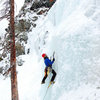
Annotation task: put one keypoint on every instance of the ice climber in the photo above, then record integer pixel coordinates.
(48, 68)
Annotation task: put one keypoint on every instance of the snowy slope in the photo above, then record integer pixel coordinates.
(72, 30)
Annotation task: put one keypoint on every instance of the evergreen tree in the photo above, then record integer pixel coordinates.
(8, 12)
(13, 54)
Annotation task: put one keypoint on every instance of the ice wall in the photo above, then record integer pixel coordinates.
(75, 38)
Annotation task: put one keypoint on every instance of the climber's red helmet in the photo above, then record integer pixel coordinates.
(44, 55)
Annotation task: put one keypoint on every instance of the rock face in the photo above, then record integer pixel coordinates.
(22, 26)
(42, 3)
(20, 49)
(1, 70)
(25, 22)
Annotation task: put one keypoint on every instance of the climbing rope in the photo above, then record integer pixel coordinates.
(47, 88)
(45, 93)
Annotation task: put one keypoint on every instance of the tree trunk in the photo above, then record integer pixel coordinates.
(14, 88)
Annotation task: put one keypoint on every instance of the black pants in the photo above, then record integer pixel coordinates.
(45, 76)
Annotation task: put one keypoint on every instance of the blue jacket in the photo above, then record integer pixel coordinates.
(48, 62)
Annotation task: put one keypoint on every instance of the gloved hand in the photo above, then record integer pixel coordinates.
(53, 59)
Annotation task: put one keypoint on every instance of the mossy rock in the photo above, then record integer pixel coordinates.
(22, 26)
(20, 49)
(1, 70)
(1, 58)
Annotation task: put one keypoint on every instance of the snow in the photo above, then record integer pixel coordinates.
(18, 6)
(72, 30)
(4, 22)
(3, 25)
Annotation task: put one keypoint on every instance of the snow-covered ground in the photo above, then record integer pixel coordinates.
(72, 30)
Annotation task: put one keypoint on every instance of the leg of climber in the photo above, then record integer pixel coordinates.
(54, 75)
(45, 76)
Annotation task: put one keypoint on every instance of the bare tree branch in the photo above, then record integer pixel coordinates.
(5, 9)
